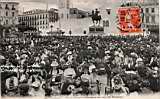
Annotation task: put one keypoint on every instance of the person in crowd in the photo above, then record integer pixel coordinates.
(12, 85)
(67, 86)
(80, 65)
(154, 80)
(54, 64)
(93, 81)
(118, 85)
(36, 89)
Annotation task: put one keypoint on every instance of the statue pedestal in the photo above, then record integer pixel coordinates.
(96, 29)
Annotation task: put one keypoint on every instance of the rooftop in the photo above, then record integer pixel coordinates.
(9, 1)
(38, 11)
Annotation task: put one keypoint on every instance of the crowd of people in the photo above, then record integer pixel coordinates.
(79, 65)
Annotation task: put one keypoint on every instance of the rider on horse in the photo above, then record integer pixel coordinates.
(96, 17)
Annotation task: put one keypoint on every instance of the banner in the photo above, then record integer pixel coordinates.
(129, 19)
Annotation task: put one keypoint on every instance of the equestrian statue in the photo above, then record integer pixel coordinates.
(96, 18)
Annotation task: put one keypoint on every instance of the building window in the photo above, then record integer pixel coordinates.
(147, 10)
(74, 11)
(40, 16)
(13, 14)
(147, 19)
(0, 6)
(43, 16)
(6, 13)
(7, 7)
(153, 10)
(13, 8)
(6, 21)
(153, 19)
(67, 16)
(62, 15)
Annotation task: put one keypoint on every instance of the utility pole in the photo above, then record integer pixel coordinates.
(47, 5)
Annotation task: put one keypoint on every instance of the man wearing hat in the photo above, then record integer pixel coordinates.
(67, 86)
(118, 85)
(69, 72)
(102, 78)
(12, 85)
(36, 89)
(139, 62)
(54, 66)
(85, 80)
(93, 81)
(154, 80)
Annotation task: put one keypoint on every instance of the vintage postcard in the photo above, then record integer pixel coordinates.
(79, 49)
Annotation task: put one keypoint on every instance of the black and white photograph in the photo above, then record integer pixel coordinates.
(76, 48)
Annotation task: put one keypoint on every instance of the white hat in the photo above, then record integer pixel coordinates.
(107, 52)
(69, 72)
(116, 53)
(119, 49)
(139, 60)
(43, 62)
(155, 68)
(89, 47)
(60, 72)
(53, 79)
(2, 57)
(134, 54)
(85, 77)
(69, 53)
(121, 55)
(36, 84)
(91, 68)
(54, 64)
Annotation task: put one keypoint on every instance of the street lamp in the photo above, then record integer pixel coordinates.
(51, 28)
(70, 32)
(84, 32)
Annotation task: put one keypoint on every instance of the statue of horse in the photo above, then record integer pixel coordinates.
(96, 18)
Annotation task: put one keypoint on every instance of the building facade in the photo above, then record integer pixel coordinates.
(76, 13)
(66, 11)
(39, 19)
(151, 14)
(8, 13)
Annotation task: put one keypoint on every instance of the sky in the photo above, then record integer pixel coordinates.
(82, 4)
